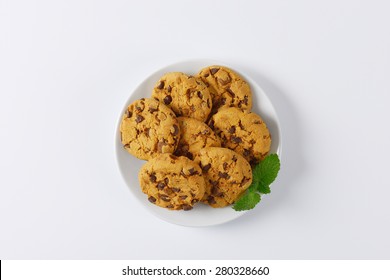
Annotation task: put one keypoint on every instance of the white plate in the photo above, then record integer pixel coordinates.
(201, 215)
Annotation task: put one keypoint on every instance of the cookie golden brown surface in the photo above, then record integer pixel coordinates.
(149, 128)
(227, 175)
(186, 95)
(195, 135)
(172, 182)
(227, 88)
(241, 131)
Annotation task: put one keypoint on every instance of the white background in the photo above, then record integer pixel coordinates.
(68, 67)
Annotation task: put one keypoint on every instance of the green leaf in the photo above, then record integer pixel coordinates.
(267, 170)
(263, 189)
(247, 201)
(263, 175)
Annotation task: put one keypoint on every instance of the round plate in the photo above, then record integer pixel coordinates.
(200, 215)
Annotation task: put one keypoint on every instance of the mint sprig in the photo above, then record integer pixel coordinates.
(264, 173)
(247, 202)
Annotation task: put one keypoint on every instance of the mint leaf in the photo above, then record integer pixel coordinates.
(264, 174)
(257, 187)
(267, 170)
(247, 201)
(263, 189)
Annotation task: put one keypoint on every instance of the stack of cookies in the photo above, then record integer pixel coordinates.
(199, 137)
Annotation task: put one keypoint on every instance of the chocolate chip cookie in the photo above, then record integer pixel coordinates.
(149, 128)
(242, 131)
(227, 175)
(172, 182)
(187, 96)
(227, 88)
(195, 135)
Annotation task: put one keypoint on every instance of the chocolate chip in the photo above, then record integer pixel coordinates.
(211, 200)
(225, 165)
(167, 100)
(214, 190)
(139, 119)
(206, 167)
(161, 185)
(193, 171)
(231, 93)
(246, 152)
(211, 124)
(129, 114)
(189, 155)
(166, 181)
(170, 206)
(206, 75)
(223, 175)
(140, 109)
(183, 174)
(169, 89)
(146, 131)
(193, 109)
(241, 125)
(234, 158)
(244, 181)
(127, 146)
(173, 157)
(246, 99)
(152, 110)
(188, 93)
(175, 129)
(232, 129)
(214, 70)
(161, 85)
(223, 101)
(161, 144)
(183, 197)
(179, 150)
(187, 207)
(252, 141)
(257, 122)
(152, 199)
(236, 140)
(164, 197)
(200, 95)
(176, 189)
(152, 178)
(213, 183)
